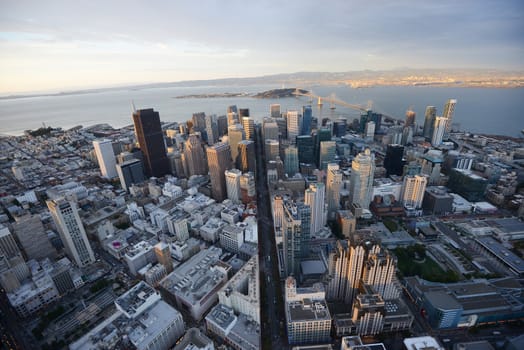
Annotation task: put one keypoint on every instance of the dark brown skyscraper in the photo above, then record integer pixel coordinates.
(218, 160)
(151, 141)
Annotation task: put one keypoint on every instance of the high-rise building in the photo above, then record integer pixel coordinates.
(429, 121)
(233, 184)
(130, 172)
(246, 159)
(8, 246)
(149, 135)
(243, 112)
(413, 190)
(274, 111)
(314, 197)
(212, 129)
(296, 225)
(235, 134)
(369, 131)
(438, 131)
(307, 118)
(199, 121)
(340, 127)
(248, 124)
(218, 160)
(291, 160)
(333, 184)
(306, 149)
(361, 184)
(328, 152)
(323, 134)
(222, 126)
(294, 125)
(393, 160)
(379, 271)
(410, 118)
(163, 256)
(448, 112)
(270, 130)
(272, 150)
(232, 119)
(248, 190)
(106, 158)
(71, 230)
(194, 156)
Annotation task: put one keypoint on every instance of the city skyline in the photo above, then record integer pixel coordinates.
(59, 46)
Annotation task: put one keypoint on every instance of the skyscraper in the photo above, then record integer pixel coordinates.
(410, 118)
(194, 156)
(272, 149)
(307, 117)
(199, 121)
(378, 273)
(438, 131)
(361, 184)
(306, 149)
(235, 134)
(314, 197)
(106, 158)
(291, 160)
(333, 183)
(151, 141)
(270, 129)
(274, 111)
(248, 124)
(218, 160)
(130, 172)
(296, 225)
(413, 190)
(448, 112)
(246, 159)
(429, 121)
(163, 256)
(248, 189)
(328, 152)
(71, 230)
(233, 184)
(323, 134)
(393, 160)
(212, 129)
(294, 125)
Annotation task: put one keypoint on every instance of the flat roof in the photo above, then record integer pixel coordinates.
(442, 300)
(502, 253)
(307, 310)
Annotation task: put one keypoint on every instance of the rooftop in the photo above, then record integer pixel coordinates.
(307, 310)
(504, 254)
(137, 299)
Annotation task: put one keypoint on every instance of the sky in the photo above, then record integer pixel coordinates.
(50, 45)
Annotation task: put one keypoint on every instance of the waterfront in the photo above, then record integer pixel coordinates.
(478, 110)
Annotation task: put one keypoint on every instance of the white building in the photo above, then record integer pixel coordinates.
(106, 158)
(294, 125)
(233, 184)
(361, 184)
(139, 256)
(413, 190)
(272, 149)
(438, 131)
(314, 197)
(71, 230)
(231, 238)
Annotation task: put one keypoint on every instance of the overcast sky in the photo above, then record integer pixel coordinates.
(47, 45)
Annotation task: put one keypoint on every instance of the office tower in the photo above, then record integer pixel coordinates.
(291, 160)
(306, 149)
(8, 247)
(130, 172)
(272, 149)
(407, 136)
(393, 160)
(71, 230)
(410, 118)
(369, 131)
(232, 109)
(328, 152)
(429, 121)
(235, 134)
(243, 112)
(448, 112)
(106, 158)
(323, 134)
(219, 160)
(296, 225)
(249, 127)
(232, 119)
(438, 131)
(361, 184)
(333, 184)
(221, 126)
(307, 117)
(246, 159)
(212, 129)
(248, 191)
(199, 121)
(32, 236)
(340, 127)
(282, 127)
(370, 116)
(294, 125)
(379, 271)
(314, 197)
(270, 130)
(163, 256)
(233, 184)
(274, 111)
(413, 190)
(347, 223)
(151, 141)
(194, 156)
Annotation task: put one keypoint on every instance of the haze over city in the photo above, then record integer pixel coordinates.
(55, 45)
